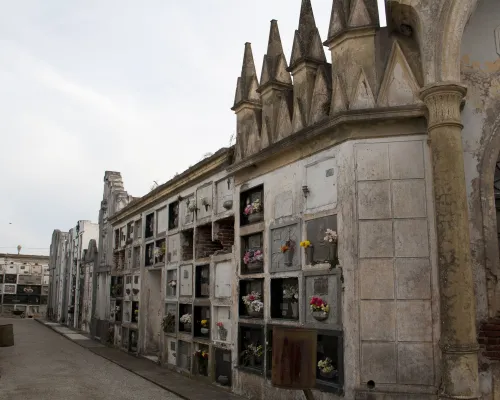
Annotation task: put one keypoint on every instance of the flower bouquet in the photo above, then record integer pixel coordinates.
(186, 321)
(222, 331)
(251, 354)
(326, 369)
(254, 305)
(253, 259)
(204, 327)
(253, 211)
(319, 308)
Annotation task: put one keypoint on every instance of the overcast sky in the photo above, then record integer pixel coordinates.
(144, 88)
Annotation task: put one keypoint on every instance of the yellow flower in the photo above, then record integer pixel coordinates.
(305, 244)
(204, 322)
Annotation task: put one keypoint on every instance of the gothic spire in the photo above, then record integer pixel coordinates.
(307, 42)
(274, 67)
(246, 88)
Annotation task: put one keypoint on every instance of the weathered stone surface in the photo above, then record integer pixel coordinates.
(407, 160)
(376, 278)
(411, 238)
(378, 362)
(413, 276)
(378, 320)
(414, 321)
(376, 239)
(372, 161)
(415, 363)
(374, 200)
(409, 198)
(326, 287)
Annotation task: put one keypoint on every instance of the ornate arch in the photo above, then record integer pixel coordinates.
(454, 17)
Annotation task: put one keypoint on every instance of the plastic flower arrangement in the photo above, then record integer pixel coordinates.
(253, 207)
(291, 292)
(317, 304)
(326, 366)
(220, 325)
(253, 256)
(201, 355)
(204, 323)
(186, 319)
(305, 244)
(252, 301)
(172, 283)
(289, 245)
(253, 350)
(330, 236)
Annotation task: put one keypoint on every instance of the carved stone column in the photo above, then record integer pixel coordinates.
(459, 365)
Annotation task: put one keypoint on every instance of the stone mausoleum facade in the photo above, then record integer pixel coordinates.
(365, 182)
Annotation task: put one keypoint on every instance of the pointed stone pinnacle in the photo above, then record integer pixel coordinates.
(247, 82)
(306, 38)
(274, 67)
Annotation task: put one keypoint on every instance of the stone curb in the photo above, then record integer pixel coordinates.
(110, 360)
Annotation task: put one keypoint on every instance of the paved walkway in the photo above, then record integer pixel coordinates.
(43, 365)
(180, 385)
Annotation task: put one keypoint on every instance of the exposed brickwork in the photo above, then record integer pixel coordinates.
(187, 245)
(489, 338)
(224, 232)
(205, 247)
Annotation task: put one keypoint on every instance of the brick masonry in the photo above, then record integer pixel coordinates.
(489, 338)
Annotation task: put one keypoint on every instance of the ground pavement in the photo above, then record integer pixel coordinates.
(50, 361)
(44, 365)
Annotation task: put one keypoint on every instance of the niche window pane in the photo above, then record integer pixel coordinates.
(252, 205)
(10, 278)
(329, 373)
(172, 283)
(173, 215)
(150, 225)
(202, 322)
(251, 348)
(125, 338)
(252, 255)
(223, 370)
(161, 220)
(135, 312)
(201, 360)
(130, 232)
(149, 255)
(251, 302)
(159, 251)
(169, 324)
(185, 318)
(320, 250)
(133, 339)
(285, 298)
(117, 238)
(138, 229)
(184, 355)
(202, 288)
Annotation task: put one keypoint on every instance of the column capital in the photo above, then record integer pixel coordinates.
(443, 101)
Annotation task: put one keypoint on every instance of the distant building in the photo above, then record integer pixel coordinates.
(67, 253)
(24, 283)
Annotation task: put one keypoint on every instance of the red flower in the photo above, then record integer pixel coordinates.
(251, 298)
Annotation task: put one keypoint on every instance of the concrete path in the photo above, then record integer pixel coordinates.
(44, 365)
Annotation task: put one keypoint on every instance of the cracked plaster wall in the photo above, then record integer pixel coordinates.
(480, 72)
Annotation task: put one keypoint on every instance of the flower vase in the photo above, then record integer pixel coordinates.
(255, 217)
(333, 254)
(288, 255)
(204, 331)
(253, 266)
(294, 306)
(187, 328)
(223, 334)
(328, 375)
(251, 361)
(319, 315)
(253, 313)
(310, 254)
